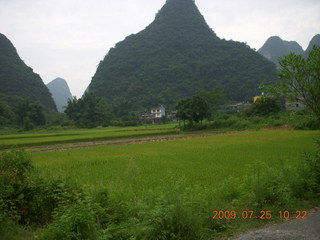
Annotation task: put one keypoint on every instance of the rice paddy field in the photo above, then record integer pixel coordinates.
(81, 135)
(200, 161)
(195, 176)
(172, 189)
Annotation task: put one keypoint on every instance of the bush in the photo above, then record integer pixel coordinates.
(309, 175)
(27, 197)
(269, 186)
(281, 187)
(75, 220)
(307, 122)
(14, 168)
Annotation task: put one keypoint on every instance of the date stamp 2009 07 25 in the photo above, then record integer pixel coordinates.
(263, 215)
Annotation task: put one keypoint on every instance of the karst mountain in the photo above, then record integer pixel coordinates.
(60, 92)
(177, 56)
(275, 47)
(315, 41)
(18, 81)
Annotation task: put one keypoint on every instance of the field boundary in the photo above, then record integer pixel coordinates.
(123, 141)
(52, 142)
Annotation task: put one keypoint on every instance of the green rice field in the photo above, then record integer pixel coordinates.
(81, 135)
(173, 189)
(200, 161)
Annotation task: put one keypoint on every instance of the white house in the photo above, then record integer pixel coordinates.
(158, 112)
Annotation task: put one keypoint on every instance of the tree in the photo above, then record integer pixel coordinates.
(30, 114)
(6, 114)
(264, 106)
(36, 114)
(88, 111)
(193, 109)
(215, 98)
(301, 79)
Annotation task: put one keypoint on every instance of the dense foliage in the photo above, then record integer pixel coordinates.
(175, 57)
(301, 79)
(29, 115)
(18, 81)
(88, 111)
(6, 114)
(26, 196)
(194, 109)
(264, 106)
(25, 115)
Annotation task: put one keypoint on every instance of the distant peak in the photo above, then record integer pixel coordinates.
(181, 1)
(274, 38)
(59, 79)
(314, 41)
(316, 38)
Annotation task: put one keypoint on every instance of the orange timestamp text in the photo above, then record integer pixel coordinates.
(263, 215)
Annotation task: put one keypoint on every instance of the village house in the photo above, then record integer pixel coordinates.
(238, 107)
(173, 116)
(154, 116)
(158, 112)
(294, 104)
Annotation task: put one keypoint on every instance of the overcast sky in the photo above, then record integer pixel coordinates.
(68, 38)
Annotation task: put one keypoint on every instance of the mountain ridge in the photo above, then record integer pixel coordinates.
(18, 81)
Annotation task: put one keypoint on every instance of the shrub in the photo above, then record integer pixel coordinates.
(72, 221)
(309, 175)
(14, 169)
(27, 197)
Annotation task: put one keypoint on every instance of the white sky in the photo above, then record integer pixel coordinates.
(68, 38)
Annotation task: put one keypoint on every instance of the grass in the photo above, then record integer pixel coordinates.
(201, 161)
(80, 135)
(169, 190)
(190, 178)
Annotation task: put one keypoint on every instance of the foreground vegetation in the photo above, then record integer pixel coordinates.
(162, 190)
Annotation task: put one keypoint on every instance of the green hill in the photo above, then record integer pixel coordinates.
(18, 81)
(176, 56)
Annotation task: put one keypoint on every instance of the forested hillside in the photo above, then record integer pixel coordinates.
(18, 81)
(176, 56)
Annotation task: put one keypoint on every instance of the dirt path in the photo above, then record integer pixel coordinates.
(293, 229)
(122, 141)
